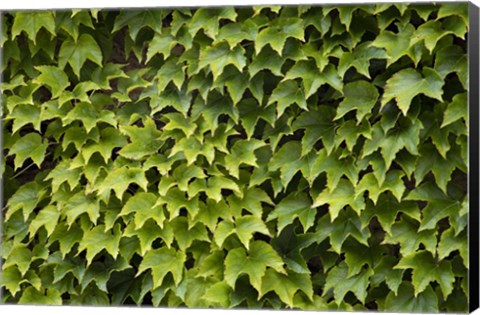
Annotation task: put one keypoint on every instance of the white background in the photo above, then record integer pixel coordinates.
(6, 5)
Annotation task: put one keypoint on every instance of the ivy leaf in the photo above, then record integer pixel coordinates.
(392, 183)
(251, 201)
(20, 256)
(450, 242)
(346, 224)
(318, 124)
(426, 269)
(43, 296)
(397, 45)
(208, 19)
(404, 85)
(246, 226)
(285, 286)
(32, 22)
(54, 77)
(143, 205)
(267, 59)
(79, 204)
(338, 280)
(294, 206)
(276, 34)
(170, 71)
(360, 95)
(288, 160)
(251, 113)
(144, 141)
(219, 293)
(439, 204)
(405, 301)
(185, 233)
(219, 56)
(405, 136)
(339, 197)
(163, 261)
(360, 58)
(456, 110)
(47, 217)
(29, 146)
(76, 53)
(386, 210)
(120, 178)
(312, 80)
(406, 233)
(260, 256)
(160, 44)
(430, 160)
(452, 59)
(131, 19)
(242, 152)
(97, 239)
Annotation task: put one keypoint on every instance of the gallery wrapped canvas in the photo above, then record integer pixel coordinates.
(311, 157)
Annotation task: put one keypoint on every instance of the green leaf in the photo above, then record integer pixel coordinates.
(29, 146)
(163, 261)
(132, 18)
(456, 110)
(346, 224)
(427, 269)
(260, 256)
(318, 124)
(44, 296)
(285, 286)
(404, 85)
(430, 160)
(397, 45)
(242, 152)
(219, 56)
(19, 256)
(120, 178)
(339, 197)
(406, 233)
(144, 141)
(160, 44)
(450, 59)
(439, 205)
(219, 293)
(338, 280)
(97, 239)
(53, 77)
(405, 301)
(387, 209)
(76, 53)
(393, 183)
(47, 217)
(450, 242)
(312, 80)
(405, 136)
(360, 58)
(276, 34)
(246, 226)
(32, 22)
(79, 204)
(293, 206)
(267, 59)
(143, 205)
(208, 19)
(360, 95)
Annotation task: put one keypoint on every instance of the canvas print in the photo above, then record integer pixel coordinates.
(253, 157)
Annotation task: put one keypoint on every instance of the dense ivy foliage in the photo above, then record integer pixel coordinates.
(266, 157)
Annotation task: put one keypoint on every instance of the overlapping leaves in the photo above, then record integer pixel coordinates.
(301, 157)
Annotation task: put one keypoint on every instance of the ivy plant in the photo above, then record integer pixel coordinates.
(305, 157)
